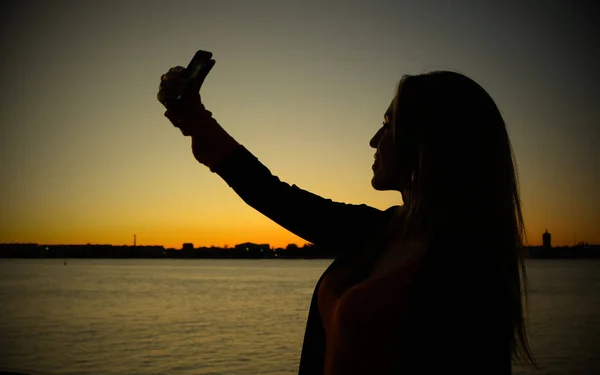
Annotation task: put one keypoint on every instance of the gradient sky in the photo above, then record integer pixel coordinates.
(87, 156)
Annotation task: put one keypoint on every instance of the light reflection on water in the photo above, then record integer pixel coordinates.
(229, 316)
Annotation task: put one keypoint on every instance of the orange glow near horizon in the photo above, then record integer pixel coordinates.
(88, 157)
(256, 229)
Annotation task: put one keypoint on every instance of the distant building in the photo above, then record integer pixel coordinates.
(187, 246)
(249, 246)
(547, 240)
(252, 249)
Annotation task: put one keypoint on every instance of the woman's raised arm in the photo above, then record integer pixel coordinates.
(323, 222)
(318, 220)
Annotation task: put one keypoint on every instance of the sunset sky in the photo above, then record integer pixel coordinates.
(87, 156)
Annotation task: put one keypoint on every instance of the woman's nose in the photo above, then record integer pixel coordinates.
(375, 140)
(372, 143)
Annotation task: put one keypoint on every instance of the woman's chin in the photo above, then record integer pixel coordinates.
(379, 183)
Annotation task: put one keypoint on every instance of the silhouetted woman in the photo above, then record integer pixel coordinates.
(434, 286)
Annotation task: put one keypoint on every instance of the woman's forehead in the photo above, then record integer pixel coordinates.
(388, 113)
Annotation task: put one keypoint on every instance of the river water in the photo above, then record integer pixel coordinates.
(233, 317)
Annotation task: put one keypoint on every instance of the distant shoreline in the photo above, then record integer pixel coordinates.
(272, 258)
(241, 251)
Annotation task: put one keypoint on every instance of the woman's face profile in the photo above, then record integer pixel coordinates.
(386, 174)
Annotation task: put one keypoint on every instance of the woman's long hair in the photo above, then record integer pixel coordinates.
(460, 185)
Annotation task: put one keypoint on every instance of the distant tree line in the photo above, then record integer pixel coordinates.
(188, 251)
(582, 250)
(241, 251)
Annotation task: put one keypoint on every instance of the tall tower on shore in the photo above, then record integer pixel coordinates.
(134, 240)
(546, 240)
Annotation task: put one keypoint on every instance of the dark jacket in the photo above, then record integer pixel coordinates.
(346, 229)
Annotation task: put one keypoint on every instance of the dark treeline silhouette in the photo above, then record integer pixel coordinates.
(188, 251)
(241, 251)
(581, 251)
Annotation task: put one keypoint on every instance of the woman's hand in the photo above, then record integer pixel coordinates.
(210, 142)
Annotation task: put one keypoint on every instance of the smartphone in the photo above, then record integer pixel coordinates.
(197, 70)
